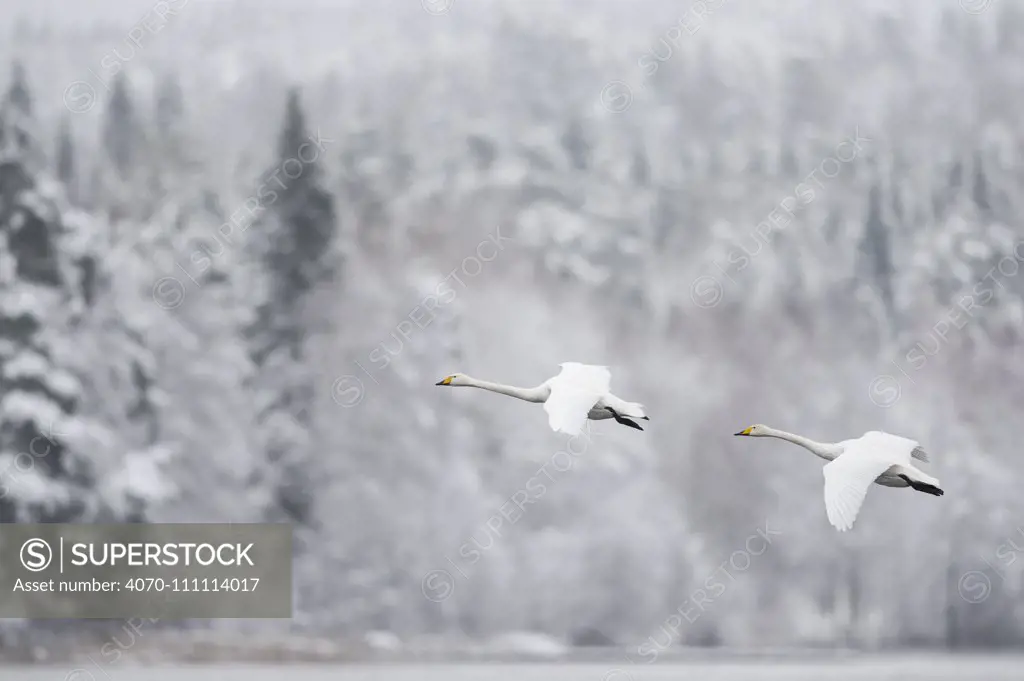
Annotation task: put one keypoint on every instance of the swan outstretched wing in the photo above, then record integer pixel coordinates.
(899, 446)
(849, 476)
(573, 392)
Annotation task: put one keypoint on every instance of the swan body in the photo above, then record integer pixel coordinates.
(875, 457)
(579, 392)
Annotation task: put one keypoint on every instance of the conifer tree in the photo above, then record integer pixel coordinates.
(18, 95)
(876, 251)
(121, 132)
(296, 258)
(43, 477)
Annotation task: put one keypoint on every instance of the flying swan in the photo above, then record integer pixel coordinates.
(854, 464)
(578, 393)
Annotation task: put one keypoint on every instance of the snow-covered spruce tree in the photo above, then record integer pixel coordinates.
(122, 172)
(42, 478)
(61, 457)
(197, 353)
(121, 132)
(121, 419)
(172, 153)
(296, 234)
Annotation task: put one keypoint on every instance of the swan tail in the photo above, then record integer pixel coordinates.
(633, 410)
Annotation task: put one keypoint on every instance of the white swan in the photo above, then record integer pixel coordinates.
(854, 464)
(579, 392)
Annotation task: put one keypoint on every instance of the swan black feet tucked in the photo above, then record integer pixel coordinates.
(923, 487)
(625, 421)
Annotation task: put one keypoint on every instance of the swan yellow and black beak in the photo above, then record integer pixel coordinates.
(445, 381)
(745, 431)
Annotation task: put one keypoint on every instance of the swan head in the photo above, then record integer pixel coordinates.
(756, 430)
(454, 379)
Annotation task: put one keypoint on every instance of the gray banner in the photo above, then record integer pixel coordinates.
(137, 570)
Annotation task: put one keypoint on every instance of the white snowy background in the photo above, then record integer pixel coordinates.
(241, 240)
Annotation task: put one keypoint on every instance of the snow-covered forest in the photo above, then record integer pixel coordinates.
(241, 240)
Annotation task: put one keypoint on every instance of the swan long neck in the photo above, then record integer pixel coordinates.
(538, 394)
(825, 450)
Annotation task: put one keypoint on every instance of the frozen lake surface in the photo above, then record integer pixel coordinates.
(896, 668)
